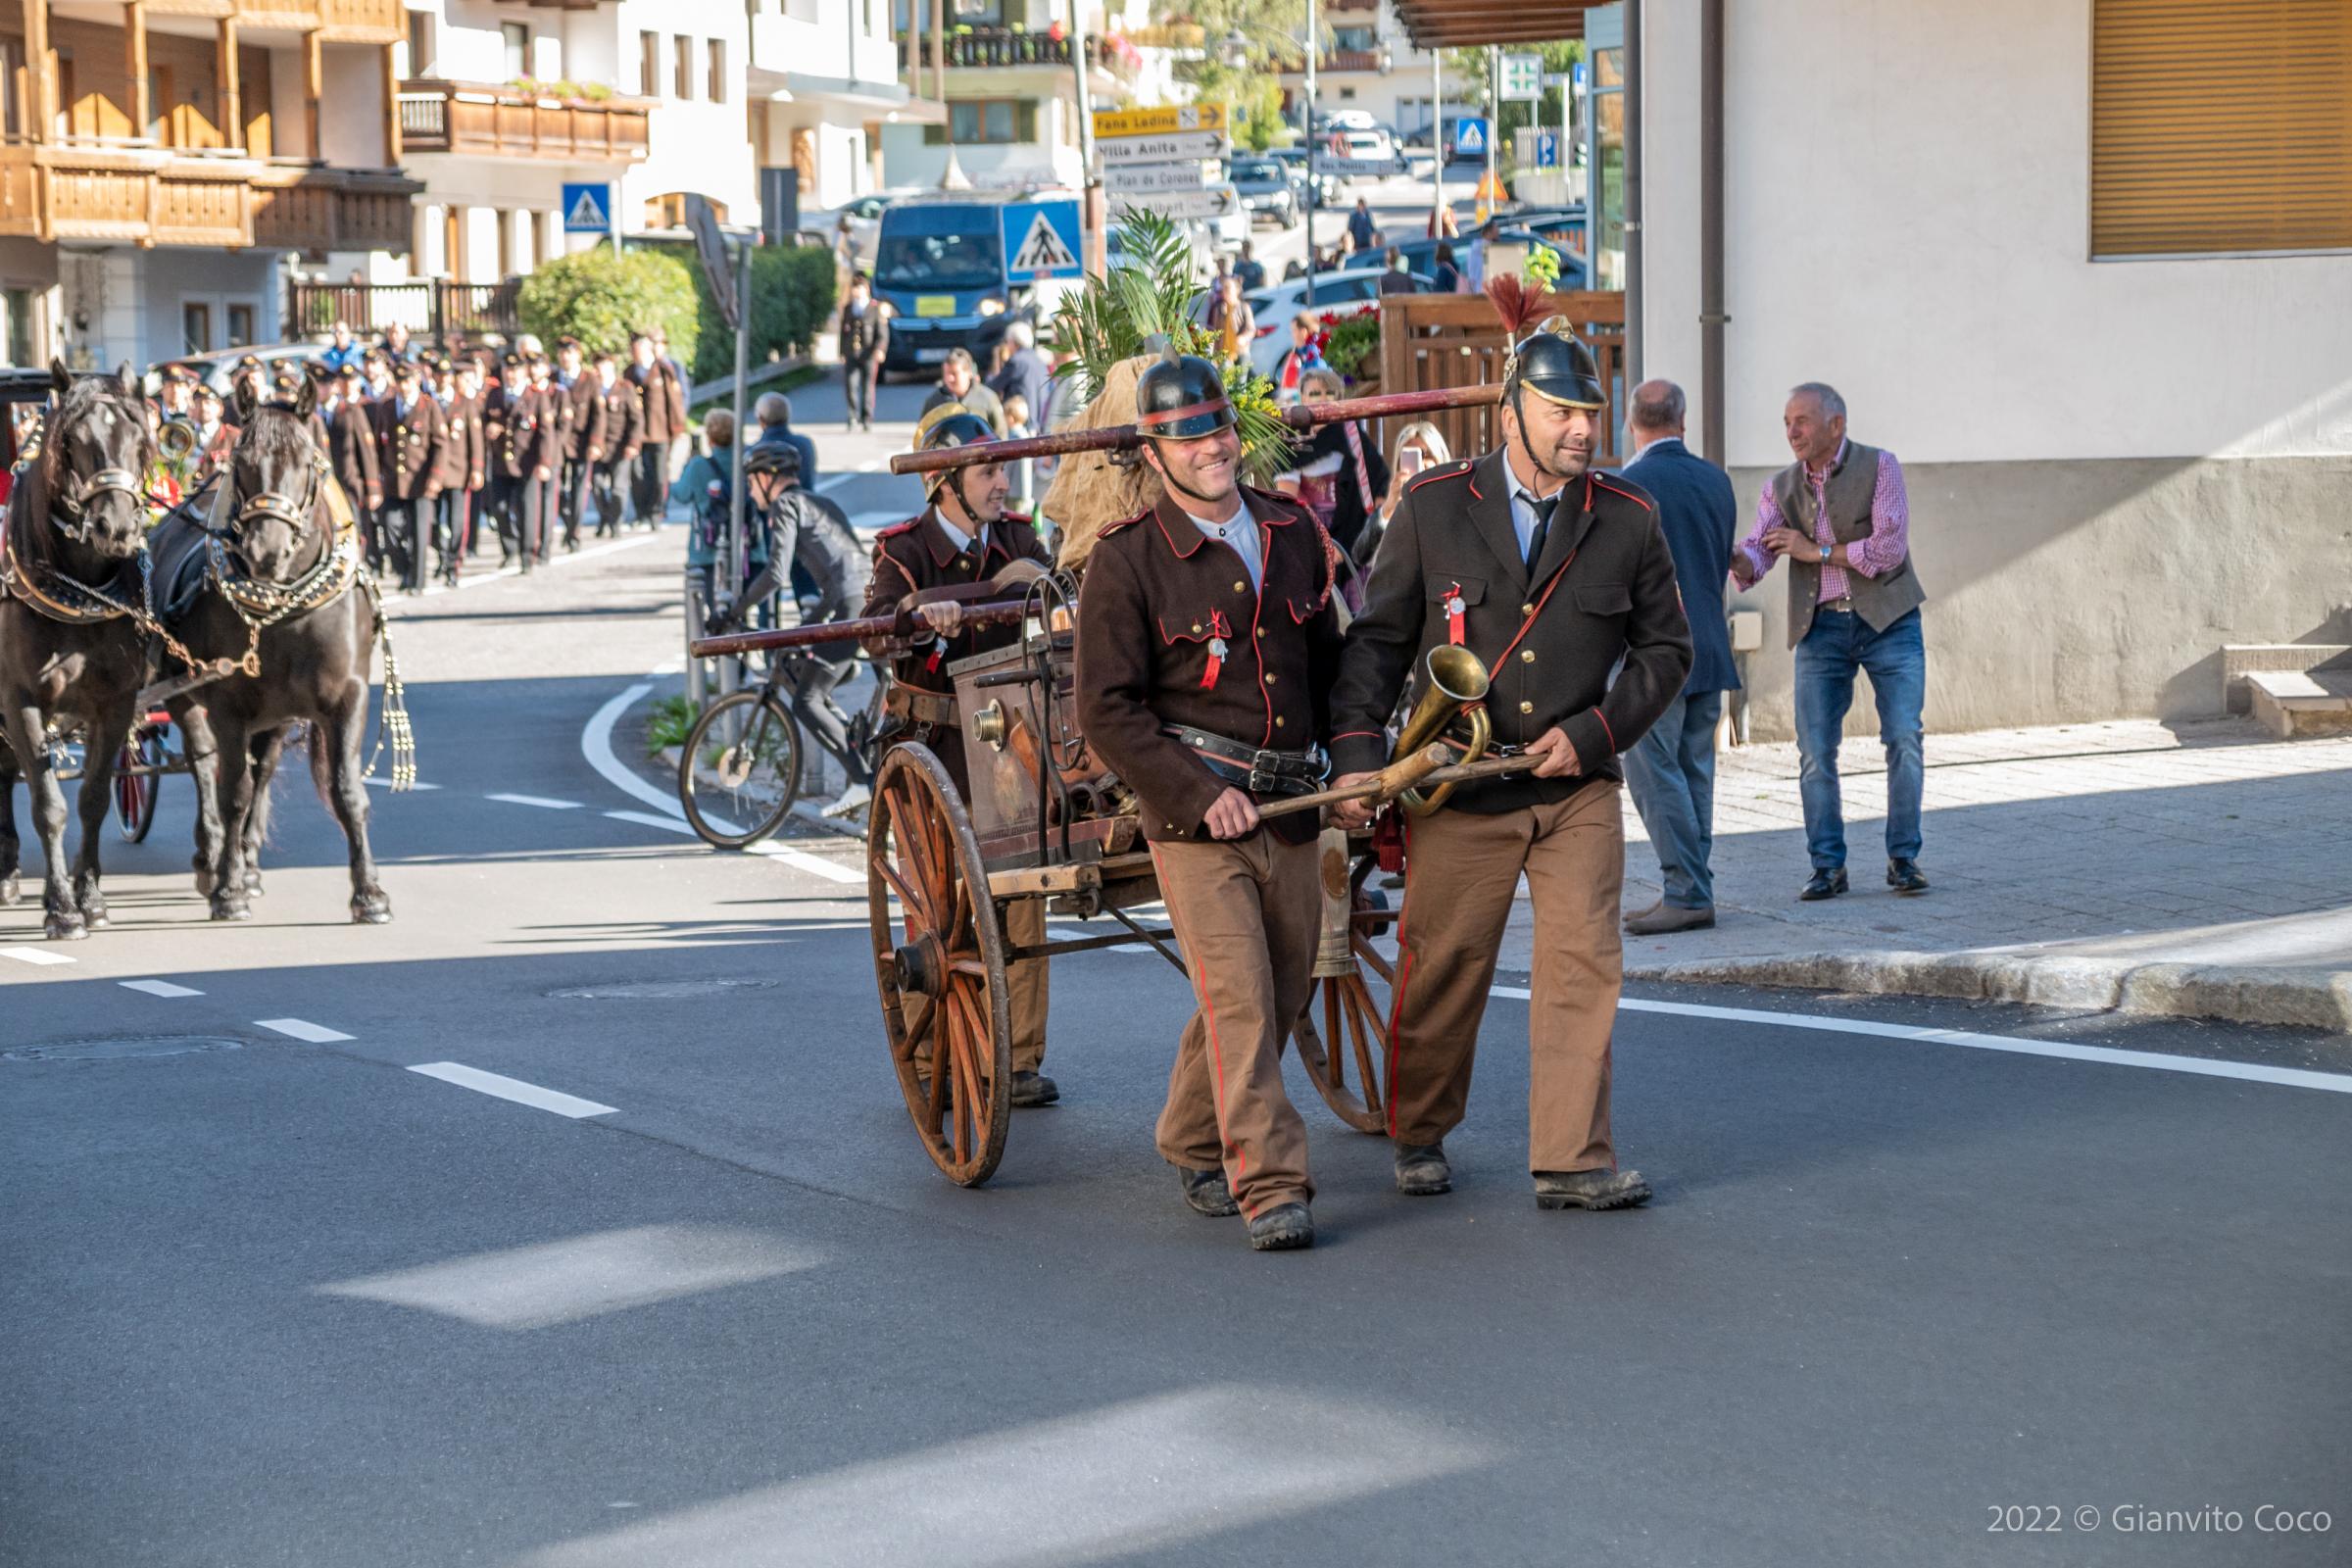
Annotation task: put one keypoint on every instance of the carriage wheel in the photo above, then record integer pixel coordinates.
(1343, 1037)
(138, 780)
(939, 963)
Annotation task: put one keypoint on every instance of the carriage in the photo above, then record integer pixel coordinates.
(1045, 821)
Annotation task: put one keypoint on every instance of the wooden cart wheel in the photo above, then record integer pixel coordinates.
(1343, 1037)
(939, 963)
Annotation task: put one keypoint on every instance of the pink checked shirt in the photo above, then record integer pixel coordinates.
(1890, 530)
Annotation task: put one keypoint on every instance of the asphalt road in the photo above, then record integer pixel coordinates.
(276, 1297)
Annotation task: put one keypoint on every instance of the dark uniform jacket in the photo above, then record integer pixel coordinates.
(624, 422)
(1603, 590)
(556, 415)
(664, 401)
(351, 447)
(408, 448)
(461, 443)
(519, 438)
(1158, 597)
(584, 414)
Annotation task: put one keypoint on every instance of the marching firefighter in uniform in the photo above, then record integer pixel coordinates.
(522, 453)
(1206, 644)
(1551, 573)
(961, 537)
(410, 432)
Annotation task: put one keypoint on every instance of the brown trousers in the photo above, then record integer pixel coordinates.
(1248, 913)
(1025, 924)
(1462, 871)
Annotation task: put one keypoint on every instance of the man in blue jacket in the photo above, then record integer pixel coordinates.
(1671, 769)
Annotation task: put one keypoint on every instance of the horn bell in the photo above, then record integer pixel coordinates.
(1454, 685)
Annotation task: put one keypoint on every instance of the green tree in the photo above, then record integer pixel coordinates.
(1257, 110)
(601, 298)
(1268, 34)
(792, 298)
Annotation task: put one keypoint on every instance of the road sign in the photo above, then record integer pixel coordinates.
(1547, 149)
(1166, 149)
(1110, 123)
(1154, 178)
(1522, 76)
(1470, 137)
(1182, 204)
(719, 268)
(587, 209)
(1041, 240)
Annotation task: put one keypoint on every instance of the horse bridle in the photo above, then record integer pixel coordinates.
(69, 501)
(300, 515)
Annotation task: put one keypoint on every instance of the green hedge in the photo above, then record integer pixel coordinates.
(792, 301)
(601, 298)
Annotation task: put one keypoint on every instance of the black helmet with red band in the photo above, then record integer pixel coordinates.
(1181, 398)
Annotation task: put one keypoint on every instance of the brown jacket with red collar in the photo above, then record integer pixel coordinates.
(916, 555)
(1171, 632)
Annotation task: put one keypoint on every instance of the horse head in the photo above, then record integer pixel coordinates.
(94, 461)
(276, 475)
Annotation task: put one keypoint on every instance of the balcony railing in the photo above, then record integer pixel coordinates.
(431, 307)
(1006, 46)
(343, 21)
(451, 117)
(157, 197)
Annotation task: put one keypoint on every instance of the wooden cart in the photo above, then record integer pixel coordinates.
(1045, 821)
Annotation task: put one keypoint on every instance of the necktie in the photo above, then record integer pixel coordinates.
(1542, 530)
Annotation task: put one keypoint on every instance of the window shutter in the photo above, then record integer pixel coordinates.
(2220, 127)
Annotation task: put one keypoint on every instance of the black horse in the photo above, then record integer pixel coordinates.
(73, 651)
(266, 574)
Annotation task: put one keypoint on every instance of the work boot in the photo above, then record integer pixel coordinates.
(1422, 1171)
(1284, 1228)
(1591, 1188)
(1905, 877)
(1033, 1089)
(1205, 1193)
(1661, 918)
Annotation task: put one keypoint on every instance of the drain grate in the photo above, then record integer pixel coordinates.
(122, 1046)
(659, 990)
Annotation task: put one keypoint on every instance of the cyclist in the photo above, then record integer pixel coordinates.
(805, 529)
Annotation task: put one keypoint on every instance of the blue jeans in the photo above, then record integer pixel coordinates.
(1839, 643)
(1671, 771)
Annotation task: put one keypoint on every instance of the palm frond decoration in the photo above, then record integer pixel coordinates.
(1150, 299)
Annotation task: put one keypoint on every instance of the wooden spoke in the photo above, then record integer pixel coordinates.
(1353, 1029)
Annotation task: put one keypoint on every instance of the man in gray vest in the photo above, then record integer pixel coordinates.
(1840, 515)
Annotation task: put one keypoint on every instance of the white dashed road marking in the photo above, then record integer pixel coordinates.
(159, 988)
(515, 1089)
(35, 955)
(536, 800)
(318, 1034)
(667, 825)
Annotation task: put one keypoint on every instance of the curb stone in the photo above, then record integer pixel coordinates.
(2314, 999)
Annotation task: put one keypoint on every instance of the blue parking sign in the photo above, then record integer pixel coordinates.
(1041, 241)
(1470, 137)
(1547, 149)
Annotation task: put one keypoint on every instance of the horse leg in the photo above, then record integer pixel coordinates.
(266, 751)
(343, 732)
(102, 754)
(235, 763)
(62, 920)
(11, 848)
(204, 753)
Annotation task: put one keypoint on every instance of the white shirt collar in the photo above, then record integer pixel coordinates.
(956, 536)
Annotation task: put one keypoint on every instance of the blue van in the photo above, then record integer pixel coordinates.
(939, 260)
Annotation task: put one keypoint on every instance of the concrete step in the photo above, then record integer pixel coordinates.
(2296, 703)
(2242, 659)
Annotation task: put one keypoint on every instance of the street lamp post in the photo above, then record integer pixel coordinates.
(1314, 46)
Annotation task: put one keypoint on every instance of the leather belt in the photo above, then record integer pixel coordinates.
(1260, 772)
(1843, 604)
(918, 707)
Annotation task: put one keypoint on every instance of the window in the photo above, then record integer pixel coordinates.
(682, 68)
(2219, 129)
(13, 112)
(240, 328)
(985, 121)
(516, 36)
(718, 70)
(195, 327)
(649, 64)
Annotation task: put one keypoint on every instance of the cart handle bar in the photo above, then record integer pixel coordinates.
(1299, 417)
(1426, 768)
(900, 625)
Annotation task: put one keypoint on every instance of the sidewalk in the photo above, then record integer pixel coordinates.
(2199, 870)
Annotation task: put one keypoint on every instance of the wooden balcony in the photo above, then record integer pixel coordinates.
(454, 116)
(981, 47)
(340, 20)
(151, 197)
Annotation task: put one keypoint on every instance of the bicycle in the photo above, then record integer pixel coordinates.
(739, 772)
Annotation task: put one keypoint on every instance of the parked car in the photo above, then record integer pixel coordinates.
(1421, 255)
(1293, 161)
(216, 369)
(1364, 154)
(1266, 189)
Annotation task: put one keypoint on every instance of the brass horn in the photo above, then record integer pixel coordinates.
(176, 442)
(1454, 683)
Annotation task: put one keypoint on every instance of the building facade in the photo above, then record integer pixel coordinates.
(1371, 65)
(825, 85)
(2103, 319)
(163, 165)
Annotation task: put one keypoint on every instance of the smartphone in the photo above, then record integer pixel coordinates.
(1408, 462)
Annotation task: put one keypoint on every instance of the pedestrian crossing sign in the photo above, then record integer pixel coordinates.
(587, 209)
(1041, 241)
(1470, 137)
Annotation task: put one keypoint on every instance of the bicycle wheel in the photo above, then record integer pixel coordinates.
(738, 790)
(138, 780)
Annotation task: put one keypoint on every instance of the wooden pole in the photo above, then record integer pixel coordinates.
(1297, 416)
(391, 109)
(735, 644)
(314, 88)
(135, 59)
(41, 73)
(232, 96)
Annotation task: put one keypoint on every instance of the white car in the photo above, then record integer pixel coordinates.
(1364, 146)
(1342, 293)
